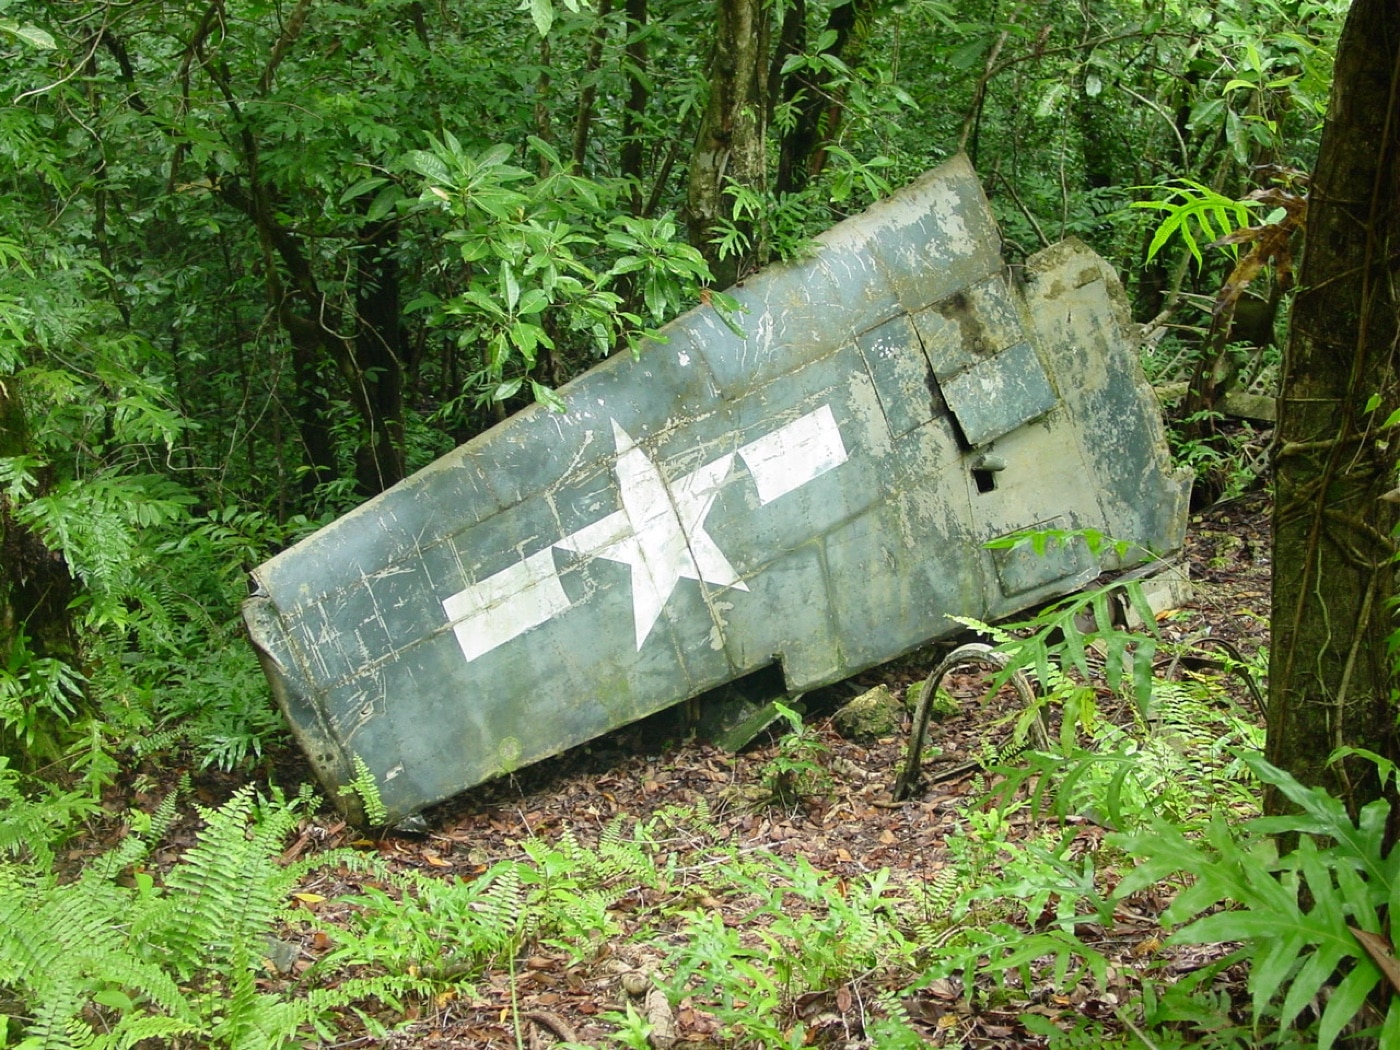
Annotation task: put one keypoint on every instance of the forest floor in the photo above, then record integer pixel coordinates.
(854, 829)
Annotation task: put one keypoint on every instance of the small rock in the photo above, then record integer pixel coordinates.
(280, 954)
(873, 714)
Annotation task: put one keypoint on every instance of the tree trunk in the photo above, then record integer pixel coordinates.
(730, 149)
(818, 102)
(634, 115)
(379, 353)
(583, 122)
(1331, 672)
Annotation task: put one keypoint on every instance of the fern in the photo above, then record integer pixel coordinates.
(99, 964)
(1192, 210)
(433, 934)
(33, 827)
(61, 945)
(364, 788)
(624, 856)
(226, 891)
(1294, 949)
(505, 919)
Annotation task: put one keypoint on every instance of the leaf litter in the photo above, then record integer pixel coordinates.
(548, 994)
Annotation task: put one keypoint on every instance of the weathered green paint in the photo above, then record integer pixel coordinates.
(813, 494)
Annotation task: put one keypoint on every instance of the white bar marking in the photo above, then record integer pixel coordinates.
(507, 604)
(794, 454)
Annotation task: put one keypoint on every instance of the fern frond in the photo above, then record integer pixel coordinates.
(135, 1028)
(134, 848)
(502, 906)
(228, 889)
(249, 1020)
(365, 788)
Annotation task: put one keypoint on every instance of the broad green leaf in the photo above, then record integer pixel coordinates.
(627, 264)
(654, 294)
(1390, 1030)
(1164, 232)
(429, 165)
(1050, 101)
(1308, 981)
(542, 11)
(497, 351)
(506, 389)
(1237, 137)
(526, 338)
(114, 999)
(509, 285)
(1270, 967)
(362, 187)
(1346, 1001)
(30, 34)
(384, 202)
(532, 301)
(547, 397)
(968, 55)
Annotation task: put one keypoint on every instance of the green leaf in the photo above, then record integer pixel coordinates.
(506, 389)
(1164, 234)
(1316, 971)
(968, 55)
(793, 62)
(384, 203)
(1237, 137)
(1050, 101)
(509, 285)
(526, 338)
(429, 165)
(114, 999)
(532, 301)
(1390, 1030)
(1346, 1001)
(30, 34)
(542, 11)
(547, 397)
(362, 187)
(627, 264)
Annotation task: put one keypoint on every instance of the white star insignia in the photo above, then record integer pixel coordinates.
(660, 531)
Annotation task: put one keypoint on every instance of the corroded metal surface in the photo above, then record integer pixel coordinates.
(815, 494)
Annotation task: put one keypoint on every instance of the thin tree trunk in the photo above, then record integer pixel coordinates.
(729, 149)
(1331, 674)
(377, 377)
(633, 145)
(819, 105)
(583, 122)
